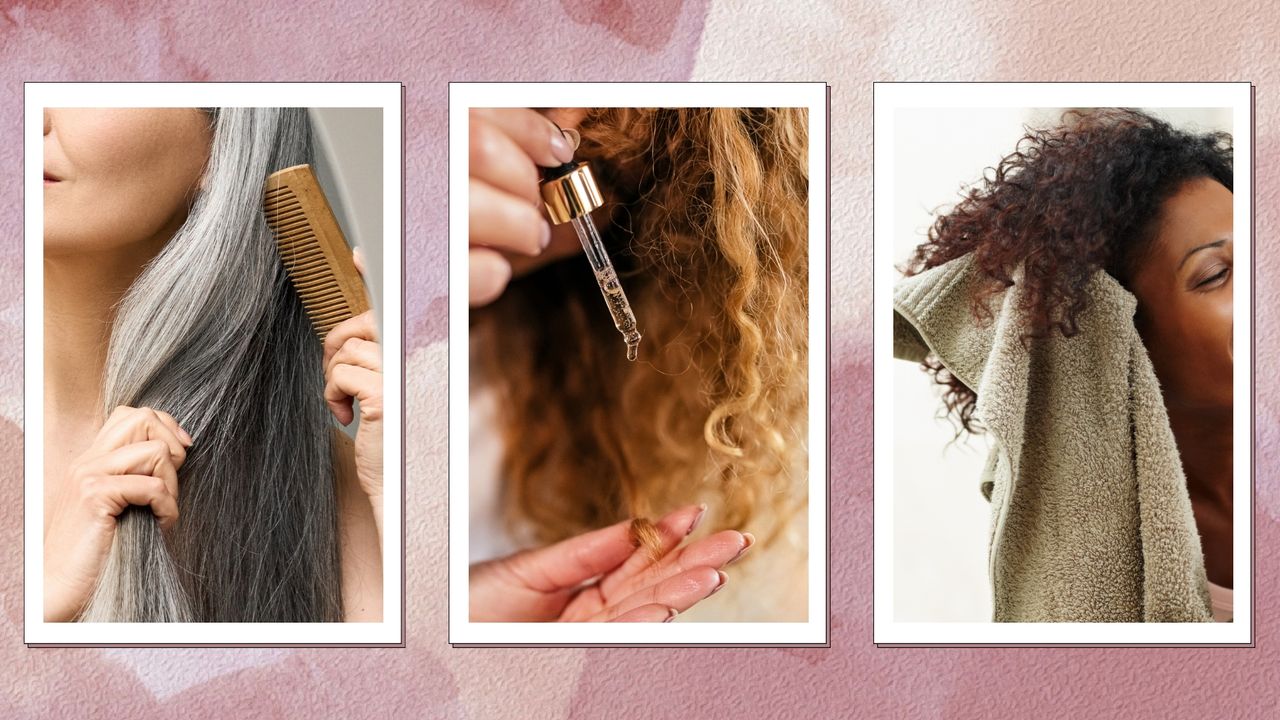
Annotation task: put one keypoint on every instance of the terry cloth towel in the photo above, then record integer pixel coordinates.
(1091, 520)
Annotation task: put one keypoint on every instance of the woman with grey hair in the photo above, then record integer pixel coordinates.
(192, 467)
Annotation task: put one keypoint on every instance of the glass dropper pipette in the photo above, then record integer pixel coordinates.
(570, 194)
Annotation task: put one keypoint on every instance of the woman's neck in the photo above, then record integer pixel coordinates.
(1204, 439)
(81, 292)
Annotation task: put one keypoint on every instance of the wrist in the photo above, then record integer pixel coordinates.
(375, 502)
(56, 606)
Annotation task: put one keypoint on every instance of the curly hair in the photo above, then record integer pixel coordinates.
(708, 229)
(1070, 200)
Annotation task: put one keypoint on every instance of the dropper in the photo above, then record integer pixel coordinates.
(570, 194)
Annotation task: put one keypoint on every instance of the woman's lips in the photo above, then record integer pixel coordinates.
(50, 179)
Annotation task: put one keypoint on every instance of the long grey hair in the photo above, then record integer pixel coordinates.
(213, 333)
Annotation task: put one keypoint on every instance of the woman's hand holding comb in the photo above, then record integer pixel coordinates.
(353, 373)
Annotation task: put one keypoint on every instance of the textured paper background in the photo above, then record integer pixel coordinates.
(849, 44)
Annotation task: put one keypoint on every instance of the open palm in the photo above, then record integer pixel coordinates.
(601, 576)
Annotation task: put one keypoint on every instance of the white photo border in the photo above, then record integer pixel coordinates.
(463, 97)
(890, 97)
(385, 95)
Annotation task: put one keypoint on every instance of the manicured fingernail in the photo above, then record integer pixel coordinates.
(750, 540)
(545, 239)
(723, 579)
(671, 614)
(702, 510)
(574, 137)
(185, 436)
(560, 146)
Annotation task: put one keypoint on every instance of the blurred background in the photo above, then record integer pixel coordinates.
(349, 167)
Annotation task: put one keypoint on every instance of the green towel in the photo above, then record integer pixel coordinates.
(1091, 520)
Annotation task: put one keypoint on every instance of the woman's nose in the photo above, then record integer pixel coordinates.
(48, 124)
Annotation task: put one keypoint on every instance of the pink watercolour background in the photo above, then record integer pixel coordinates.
(849, 45)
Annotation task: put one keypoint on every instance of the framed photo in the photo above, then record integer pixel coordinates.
(638, 364)
(1055, 264)
(215, 369)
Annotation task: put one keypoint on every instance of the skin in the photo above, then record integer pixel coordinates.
(1184, 291)
(599, 576)
(510, 234)
(353, 373)
(118, 184)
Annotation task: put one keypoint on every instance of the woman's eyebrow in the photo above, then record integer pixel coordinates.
(1206, 246)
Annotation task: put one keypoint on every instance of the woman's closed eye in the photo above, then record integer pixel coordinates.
(1212, 277)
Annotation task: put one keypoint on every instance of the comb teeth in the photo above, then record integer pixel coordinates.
(312, 248)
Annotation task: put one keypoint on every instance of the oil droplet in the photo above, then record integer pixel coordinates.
(619, 309)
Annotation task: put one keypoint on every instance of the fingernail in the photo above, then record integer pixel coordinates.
(750, 540)
(560, 146)
(671, 614)
(723, 579)
(574, 137)
(186, 436)
(545, 240)
(702, 510)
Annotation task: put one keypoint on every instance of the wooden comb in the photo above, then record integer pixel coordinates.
(313, 249)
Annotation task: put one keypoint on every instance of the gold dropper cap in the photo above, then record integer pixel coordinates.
(570, 191)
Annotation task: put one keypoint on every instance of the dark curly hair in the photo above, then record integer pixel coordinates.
(1070, 200)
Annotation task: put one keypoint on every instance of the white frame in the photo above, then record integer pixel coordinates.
(386, 96)
(889, 97)
(463, 97)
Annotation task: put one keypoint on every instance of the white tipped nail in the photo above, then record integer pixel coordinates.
(697, 519)
(724, 578)
(561, 147)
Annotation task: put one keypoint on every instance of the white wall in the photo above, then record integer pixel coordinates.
(349, 167)
(941, 521)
